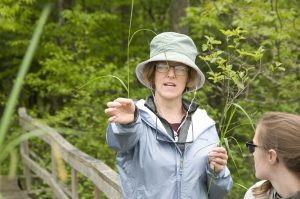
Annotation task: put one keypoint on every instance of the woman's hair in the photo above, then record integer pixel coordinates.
(149, 74)
(281, 132)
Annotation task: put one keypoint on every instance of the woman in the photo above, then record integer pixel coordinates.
(276, 151)
(167, 147)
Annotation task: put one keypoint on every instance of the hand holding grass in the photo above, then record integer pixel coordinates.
(217, 159)
(121, 110)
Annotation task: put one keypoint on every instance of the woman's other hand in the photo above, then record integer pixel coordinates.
(121, 110)
(217, 159)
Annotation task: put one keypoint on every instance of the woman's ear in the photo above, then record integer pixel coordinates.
(272, 156)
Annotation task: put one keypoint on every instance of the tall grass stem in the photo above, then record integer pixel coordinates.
(128, 50)
(24, 66)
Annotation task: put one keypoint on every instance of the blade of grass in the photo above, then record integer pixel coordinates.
(15, 142)
(123, 84)
(240, 185)
(130, 37)
(249, 118)
(143, 29)
(128, 44)
(13, 163)
(25, 64)
(227, 124)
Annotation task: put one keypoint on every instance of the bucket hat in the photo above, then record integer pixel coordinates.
(172, 46)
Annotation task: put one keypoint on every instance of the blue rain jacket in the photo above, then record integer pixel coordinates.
(152, 166)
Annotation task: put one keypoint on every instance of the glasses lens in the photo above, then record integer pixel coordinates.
(250, 146)
(164, 67)
(180, 70)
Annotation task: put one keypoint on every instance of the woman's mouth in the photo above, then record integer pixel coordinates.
(169, 84)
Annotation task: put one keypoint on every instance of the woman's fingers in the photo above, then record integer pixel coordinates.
(109, 111)
(111, 119)
(113, 104)
(218, 158)
(219, 150)
(123, 100)
(219, 161)
(121, 110)
(122, 103)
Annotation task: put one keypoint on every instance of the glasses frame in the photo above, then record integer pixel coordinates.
(176, 70)
(251, 146)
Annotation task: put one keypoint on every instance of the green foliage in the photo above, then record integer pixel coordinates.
(249, 52)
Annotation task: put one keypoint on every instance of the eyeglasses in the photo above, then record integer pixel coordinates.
(165, 67)
(251, 146)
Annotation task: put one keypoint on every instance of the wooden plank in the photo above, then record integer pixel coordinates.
(8, 184)
(24, 147)
(15, 195)
(104, 178)
(9, 189)
(46, 176)
(74, 183)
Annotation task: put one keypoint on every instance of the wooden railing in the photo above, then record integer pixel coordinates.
(103, 177)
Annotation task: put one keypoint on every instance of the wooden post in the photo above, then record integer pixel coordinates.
(53, 162)
(97, 193)
(26, 171)
(74, 184)
(53, 165)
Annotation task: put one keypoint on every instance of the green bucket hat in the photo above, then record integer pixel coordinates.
(172, 46)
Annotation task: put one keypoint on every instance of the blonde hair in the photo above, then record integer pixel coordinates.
(149, 74)
(280, 131)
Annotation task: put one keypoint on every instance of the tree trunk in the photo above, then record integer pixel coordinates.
(177, 12)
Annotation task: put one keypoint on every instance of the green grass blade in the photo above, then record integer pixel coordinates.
(13, 163)
(230, 154)
(249, 118)
(15, 142)
(128, 44)
(113, 76)
(240, 185)
(25, 64)
(143, 29)
(227, 124)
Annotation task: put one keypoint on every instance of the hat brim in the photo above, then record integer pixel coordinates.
(171, 56)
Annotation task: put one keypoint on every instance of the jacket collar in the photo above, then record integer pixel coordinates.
(199, 118)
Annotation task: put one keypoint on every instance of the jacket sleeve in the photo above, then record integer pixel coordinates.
(218, 184)
(123, 137)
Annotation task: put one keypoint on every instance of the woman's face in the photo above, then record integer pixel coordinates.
(170, 79)
(260, 158)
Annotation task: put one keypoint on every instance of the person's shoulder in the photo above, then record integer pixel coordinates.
(249, 193)
(202, 113)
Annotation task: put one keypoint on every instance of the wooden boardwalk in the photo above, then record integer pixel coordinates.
(10, 189)
(104, 179)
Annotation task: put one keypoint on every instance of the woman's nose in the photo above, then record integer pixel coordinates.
(171, 72)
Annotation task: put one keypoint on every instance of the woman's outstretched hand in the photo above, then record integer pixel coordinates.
(121, 110)
(217, 159)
